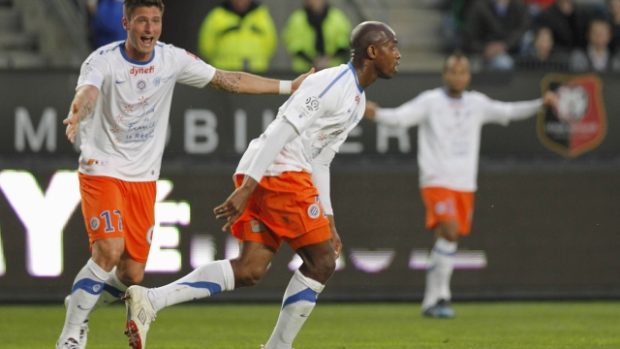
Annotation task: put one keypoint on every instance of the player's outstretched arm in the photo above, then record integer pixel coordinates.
(82, 106)
(371, 110)
(550, 99)
(246, 83)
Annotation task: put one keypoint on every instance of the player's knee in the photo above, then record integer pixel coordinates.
(248, 275)
(107, 253)
(321, 269)
(449, 231)
(130, 278)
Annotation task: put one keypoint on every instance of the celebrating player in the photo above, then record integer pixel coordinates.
(121, 110)
(449, 123)
(283, 194)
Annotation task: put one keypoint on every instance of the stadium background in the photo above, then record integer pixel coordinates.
(545, 226)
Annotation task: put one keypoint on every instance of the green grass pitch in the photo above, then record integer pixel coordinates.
(504, 325)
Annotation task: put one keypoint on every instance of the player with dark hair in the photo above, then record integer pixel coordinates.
(120, 110)
(283, 194)
(450, 121)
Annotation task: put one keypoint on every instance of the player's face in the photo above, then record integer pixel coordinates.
(143, 30)
(457, 74)
(388, 58)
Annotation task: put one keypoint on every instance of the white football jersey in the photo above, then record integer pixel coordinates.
(325, 108)
(126, 134)
(449, 132)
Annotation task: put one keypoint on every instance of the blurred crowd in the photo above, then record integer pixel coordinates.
(498, 35)
(241, 34)
(550, 35)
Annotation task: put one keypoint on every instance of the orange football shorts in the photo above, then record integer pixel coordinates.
(283, 208)
(115, 208)
(444, 204)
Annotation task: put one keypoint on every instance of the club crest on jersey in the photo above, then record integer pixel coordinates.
(314, 211)
(579, 124)
(257, 227)
(94, 223)
(135, 71)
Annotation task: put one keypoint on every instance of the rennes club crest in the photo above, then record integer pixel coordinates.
(579, 123)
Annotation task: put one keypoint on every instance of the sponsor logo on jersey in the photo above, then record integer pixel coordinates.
(135, 71)
(579, 124)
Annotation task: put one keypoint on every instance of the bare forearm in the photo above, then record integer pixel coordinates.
(83, 103)
(246, 83)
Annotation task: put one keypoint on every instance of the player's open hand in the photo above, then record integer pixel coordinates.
(371, 110)
(551, 99)
(336, 243)
(233, 207)
(297, 82)
(73, 122)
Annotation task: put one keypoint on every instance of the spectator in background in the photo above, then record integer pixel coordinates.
(453, 21)
(567, 21)
(106, 21)
(493, 30)
(238, 35)
(535, 6)
(597, 56)
(317, 35)
(613, 12)
(541, 55)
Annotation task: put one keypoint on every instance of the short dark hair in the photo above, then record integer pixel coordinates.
(457, 55)
(131, 5)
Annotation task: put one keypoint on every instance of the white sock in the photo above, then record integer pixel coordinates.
(112, 290)
(439, 272)
(299, 300)
(87, 287)
(204, 281)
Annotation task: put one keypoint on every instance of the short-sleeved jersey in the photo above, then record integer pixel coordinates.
(449, 132)
(323, 111)
(125, 136)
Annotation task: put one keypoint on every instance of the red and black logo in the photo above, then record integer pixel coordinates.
(579, 123)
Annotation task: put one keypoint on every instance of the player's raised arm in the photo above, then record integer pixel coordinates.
(82, 106)
(241, 82)
(371, 110)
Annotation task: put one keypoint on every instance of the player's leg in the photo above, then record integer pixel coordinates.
(442, 218)
(437, 295)
(88, 286)
(301, 294)
(205, 281)
(113, 289)
(100, 198)
(453, 211)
